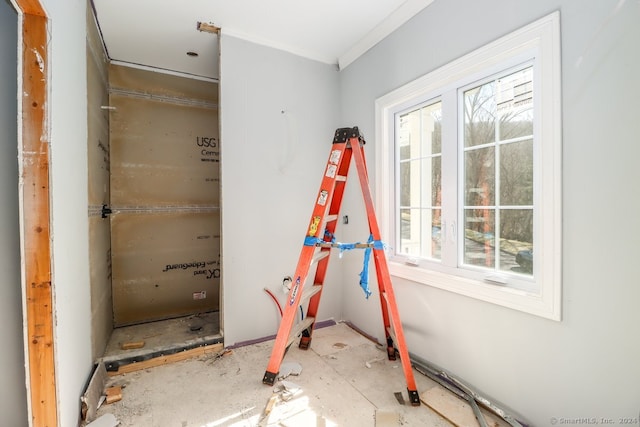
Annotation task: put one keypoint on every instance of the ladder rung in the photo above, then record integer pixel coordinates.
(337, 245)
(320, 255)
(341, 178)
(309, 292)
(298, 328)
(331, 218)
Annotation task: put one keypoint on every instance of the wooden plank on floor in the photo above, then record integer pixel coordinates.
(453, 409)
(132, 345)
(171, 358)
(387, 419)
(114, 394)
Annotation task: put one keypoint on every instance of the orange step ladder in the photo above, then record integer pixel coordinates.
(319, 241)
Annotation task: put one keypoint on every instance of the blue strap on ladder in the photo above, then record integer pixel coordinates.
(364, 275)
(311, 240)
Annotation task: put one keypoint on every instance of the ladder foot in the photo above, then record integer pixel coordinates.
(269, 378)
(305, 343)
(391, 353)
(414, 398)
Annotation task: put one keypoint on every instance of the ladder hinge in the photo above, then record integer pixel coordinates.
(106, 211)
(343, 134)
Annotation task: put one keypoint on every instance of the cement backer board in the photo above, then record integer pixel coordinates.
(164, 188)
(165, 264)
(160, 84)
(98, 166)
(100, 279)
(163, 154)
(98, 134)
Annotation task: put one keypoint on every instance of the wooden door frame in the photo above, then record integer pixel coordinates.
(33, 152)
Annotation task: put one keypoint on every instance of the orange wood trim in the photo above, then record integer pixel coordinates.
(31, 7)
(218, 349)
(36, 215)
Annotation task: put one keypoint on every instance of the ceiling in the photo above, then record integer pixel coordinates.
(159, 33)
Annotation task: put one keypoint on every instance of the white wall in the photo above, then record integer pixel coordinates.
(278, 116)
(586, 365)
(13, 393)
(68, 113)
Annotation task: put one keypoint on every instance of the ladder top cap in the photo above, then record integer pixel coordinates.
(342, 135)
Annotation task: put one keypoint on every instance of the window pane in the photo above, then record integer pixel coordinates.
(516, 240)
(431, 218)
(420, 179)
(506, 102)
(480, 115)
(432, 194)
(405, 184)
(479, 245)
(479, 177)
(410, 231)
(409, 135)
(516, 173)
(515, 104)
(432, 129)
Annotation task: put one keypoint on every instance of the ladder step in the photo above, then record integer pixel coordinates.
(299, 327)
(309, 292)
(331, 218)
(320, 255)
(341, 178)
(337, 245)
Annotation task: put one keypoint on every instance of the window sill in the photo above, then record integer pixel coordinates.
(538, 304)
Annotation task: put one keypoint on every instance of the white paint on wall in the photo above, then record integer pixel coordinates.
(13, 393)
(587, 364)
(68, 182)
(278, 115)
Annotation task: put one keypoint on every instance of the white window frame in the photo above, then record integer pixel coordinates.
(538, 42)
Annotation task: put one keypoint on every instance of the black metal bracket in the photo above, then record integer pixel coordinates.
(342, 135)
(269, 378)
(106, 211)
(414, 397)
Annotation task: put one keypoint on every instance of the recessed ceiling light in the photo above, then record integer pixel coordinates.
(191, 53)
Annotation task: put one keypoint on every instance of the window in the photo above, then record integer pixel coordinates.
(468, 173)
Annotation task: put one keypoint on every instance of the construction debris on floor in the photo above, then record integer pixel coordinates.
(344, 379)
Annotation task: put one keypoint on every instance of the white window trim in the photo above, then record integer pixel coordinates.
(540, 39)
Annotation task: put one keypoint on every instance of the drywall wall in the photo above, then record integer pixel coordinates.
(585, 366)
(68, 170)
(98, 168)
(13, 393)
(278, 116)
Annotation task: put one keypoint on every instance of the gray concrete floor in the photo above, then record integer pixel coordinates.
(162, 337)
(346, 380)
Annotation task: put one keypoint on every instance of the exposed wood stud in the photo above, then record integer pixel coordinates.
(34, 169)
(163, 360)
(208, 28)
